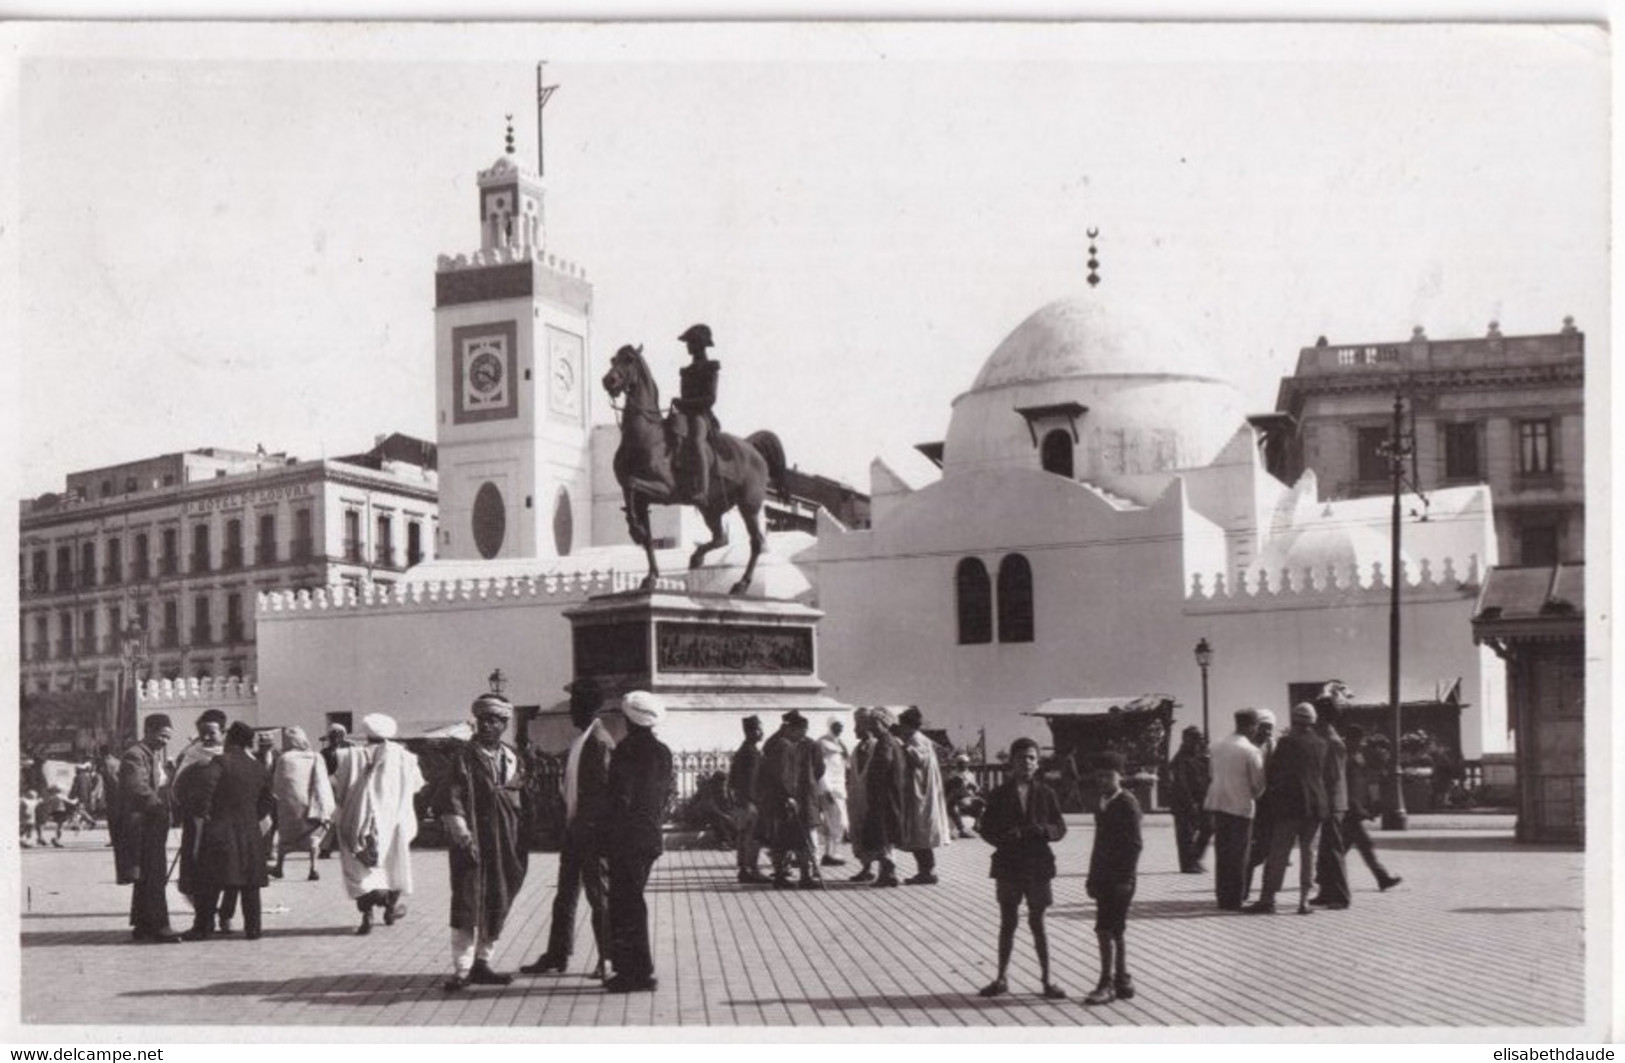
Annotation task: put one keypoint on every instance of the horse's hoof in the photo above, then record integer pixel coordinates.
(695, 562)
(740, 589)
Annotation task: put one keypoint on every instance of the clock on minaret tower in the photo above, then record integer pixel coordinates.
(512, 331)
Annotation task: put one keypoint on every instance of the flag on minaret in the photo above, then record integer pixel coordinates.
(543, 93)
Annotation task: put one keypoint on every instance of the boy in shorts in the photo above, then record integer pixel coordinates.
(1022, 817)
(1113, 866)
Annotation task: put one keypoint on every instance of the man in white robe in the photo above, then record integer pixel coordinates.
(377, 821)
(925, 807)
(304, 801)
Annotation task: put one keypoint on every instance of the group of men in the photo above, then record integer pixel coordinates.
(361, 798)
(800, 798)
(1259, 797)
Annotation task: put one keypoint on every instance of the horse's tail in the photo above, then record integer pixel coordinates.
(772, 451)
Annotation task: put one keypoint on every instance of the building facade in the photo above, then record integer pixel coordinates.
(180, 547)
(1506, 411)
(1100, 504)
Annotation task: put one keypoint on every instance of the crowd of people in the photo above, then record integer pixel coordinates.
(810, 804)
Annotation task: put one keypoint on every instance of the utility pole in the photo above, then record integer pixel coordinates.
(1397, 449)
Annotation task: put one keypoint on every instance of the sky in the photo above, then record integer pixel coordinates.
(226, 235)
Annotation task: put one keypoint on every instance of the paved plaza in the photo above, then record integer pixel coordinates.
(1481, 933)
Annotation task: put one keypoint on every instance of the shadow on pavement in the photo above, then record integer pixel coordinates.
(360, 989)
(1160, 909)
(1512, 911)
(1478, 842)
(897, 1002)
(75, 938)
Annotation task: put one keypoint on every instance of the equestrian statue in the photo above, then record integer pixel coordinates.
(684, 459)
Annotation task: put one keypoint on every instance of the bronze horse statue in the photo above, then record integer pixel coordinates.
(742, 472)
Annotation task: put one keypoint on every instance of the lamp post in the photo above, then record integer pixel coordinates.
(133, 653)
(1204, 658)
(1396, 450)
(498, 681)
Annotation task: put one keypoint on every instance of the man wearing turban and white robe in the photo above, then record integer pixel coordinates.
(479, 805)
(377, 821)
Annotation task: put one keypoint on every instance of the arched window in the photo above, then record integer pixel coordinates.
(973, 593)
(1057, 452)
(1015, 599)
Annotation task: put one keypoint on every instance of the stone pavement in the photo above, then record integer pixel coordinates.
(1481, 933)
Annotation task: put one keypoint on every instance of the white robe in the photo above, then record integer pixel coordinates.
(377, 782)
(925, 811)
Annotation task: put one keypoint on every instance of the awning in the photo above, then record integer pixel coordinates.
(1102, 706)
(1531, 602)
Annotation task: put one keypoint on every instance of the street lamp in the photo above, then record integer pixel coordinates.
(1204, 658)
(133, 654)
(498, 681)
(1397, 449)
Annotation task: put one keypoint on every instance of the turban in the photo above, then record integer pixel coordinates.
(337, 731)
(642, 708)
(1303, 712)
(493, 705)
(378, 725)
(1266, 716)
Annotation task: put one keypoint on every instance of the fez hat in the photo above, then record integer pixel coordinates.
(240, 734)
(155, 721)
(747, 721)
(1192, 730)
(1108, 762)
(584, 685)
(1303, 712)
(700, 334)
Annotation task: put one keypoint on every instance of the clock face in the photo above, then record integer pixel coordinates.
(564, 359)
(485, 372)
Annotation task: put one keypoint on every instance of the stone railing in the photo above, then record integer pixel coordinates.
(153, 692)
(1333, 581)
(431, 593)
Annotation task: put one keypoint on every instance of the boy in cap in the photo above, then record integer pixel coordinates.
(1021, 819)
(479, 804)
(1113, 873)
(640, 780)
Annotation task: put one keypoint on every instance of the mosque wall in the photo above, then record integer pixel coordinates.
(420, 652)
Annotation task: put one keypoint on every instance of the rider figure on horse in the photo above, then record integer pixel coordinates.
(695, 423)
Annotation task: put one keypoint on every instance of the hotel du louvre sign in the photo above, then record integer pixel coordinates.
(757, 649)
(239, 499)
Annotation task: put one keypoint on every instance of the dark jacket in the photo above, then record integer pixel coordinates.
(885, 781)
(1297, 776)
(742, 772)
(591, 823)
(640, 785)
(1021, 837)
(142, 808)
(1189, 774)
(787, 788)
(1359, 784)
(234, 790)
(488, 876)
(1115, 858)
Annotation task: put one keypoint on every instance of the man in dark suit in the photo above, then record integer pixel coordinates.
(586, 812)
(143, 834)
(885, 780)
(234, 792)
(640, 784)
(1296, 775)
(1331, 872)
(742, 773)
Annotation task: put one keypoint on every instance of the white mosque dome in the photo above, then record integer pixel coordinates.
(1091, 336)
(1131, 392)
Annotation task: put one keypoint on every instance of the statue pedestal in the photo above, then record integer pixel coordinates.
(712, 658)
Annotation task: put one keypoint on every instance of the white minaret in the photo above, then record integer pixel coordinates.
(512, 335)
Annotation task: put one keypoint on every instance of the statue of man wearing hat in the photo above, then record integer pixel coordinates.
(695, 421)
(479, 805)
(640, 785)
